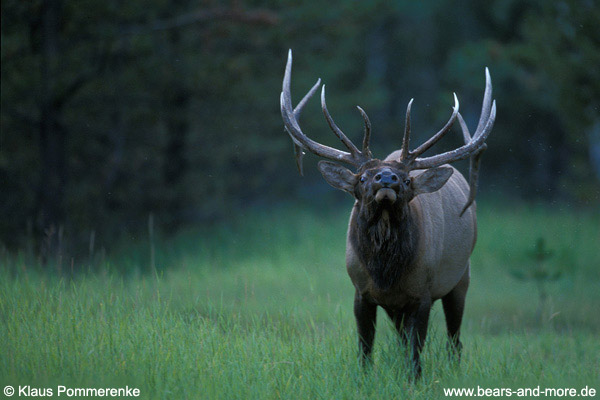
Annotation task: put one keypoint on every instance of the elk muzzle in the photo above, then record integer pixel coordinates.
(386, 185)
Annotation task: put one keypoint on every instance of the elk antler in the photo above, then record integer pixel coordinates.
(290, 117)
(409, 156)
(299, 153)
(473, 145)
(474, 162)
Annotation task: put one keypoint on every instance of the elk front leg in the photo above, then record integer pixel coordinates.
(416, 330)
(366, 318)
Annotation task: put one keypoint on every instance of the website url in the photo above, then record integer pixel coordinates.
(520, 392)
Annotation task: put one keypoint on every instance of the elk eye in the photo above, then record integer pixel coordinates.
(407, 182)
(362, 179)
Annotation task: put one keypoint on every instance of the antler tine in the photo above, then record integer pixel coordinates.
(306, 97)
(367, 138)
(464, 129)
(405, 152)
(293, 128)
(336, 130)
(487, 101)
(435, 138)
(485, 109)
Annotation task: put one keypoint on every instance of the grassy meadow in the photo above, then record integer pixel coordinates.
(261, 307)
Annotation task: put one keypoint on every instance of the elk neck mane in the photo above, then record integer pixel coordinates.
(386, 239)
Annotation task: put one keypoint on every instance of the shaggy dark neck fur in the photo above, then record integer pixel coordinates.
(386, 240)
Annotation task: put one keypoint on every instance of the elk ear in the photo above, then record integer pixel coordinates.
(431, 180)
(338, 176)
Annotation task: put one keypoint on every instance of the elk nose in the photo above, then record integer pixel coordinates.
(386, 178)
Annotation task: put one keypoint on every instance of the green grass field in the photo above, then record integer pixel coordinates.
(261, 308)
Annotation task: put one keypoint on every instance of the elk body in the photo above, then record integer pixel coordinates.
(413, 226)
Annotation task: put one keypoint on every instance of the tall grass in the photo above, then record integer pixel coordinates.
(262, 308)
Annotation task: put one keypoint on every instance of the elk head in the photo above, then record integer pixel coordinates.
(386, 182)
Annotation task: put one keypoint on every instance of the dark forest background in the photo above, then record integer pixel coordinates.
(115, 113)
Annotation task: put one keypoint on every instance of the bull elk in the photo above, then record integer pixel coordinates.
(413, 226)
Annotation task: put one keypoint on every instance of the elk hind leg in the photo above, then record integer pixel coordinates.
(454, 306)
